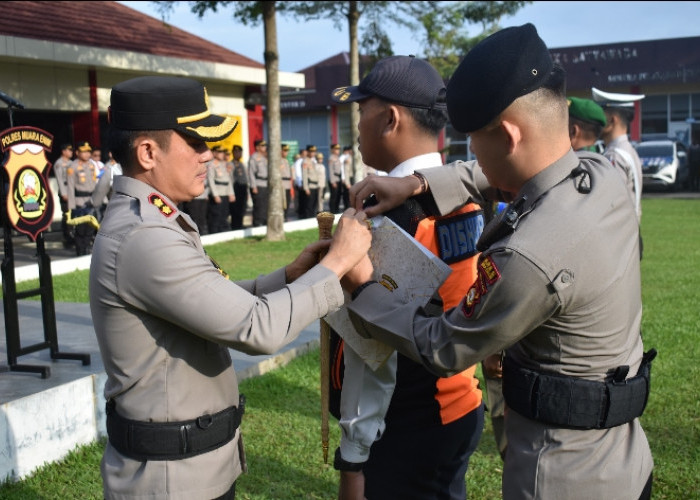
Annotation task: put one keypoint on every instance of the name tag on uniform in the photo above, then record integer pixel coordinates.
(457, 235)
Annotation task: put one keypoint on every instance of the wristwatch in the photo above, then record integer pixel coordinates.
(343, 465)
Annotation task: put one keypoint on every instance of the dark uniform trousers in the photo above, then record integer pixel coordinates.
(311, 204)
(197, 209)
(385, 477)
(260, 206)
(68, 238)
(340, 192)
(301, 202)
(217, 215)
(238, 207)
(288, 206)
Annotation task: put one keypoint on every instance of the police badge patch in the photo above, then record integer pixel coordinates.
(29, 200)
(487, 275)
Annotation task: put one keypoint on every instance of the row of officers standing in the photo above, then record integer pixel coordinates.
(223, 205)
(83, 189)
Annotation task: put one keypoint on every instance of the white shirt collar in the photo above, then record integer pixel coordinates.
(409, 166)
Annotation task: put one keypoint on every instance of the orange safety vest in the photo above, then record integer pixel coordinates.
(453, 238)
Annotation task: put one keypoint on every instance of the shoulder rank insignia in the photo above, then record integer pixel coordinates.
(157, 201)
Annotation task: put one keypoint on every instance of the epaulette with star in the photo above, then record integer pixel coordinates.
(157, 201)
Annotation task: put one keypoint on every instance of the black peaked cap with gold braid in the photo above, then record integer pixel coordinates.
(165, 103)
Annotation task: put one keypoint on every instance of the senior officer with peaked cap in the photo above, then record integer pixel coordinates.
(576, 377)
(165, 315)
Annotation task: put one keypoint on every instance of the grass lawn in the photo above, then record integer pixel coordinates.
(282, 423)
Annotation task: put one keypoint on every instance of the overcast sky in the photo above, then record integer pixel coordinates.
(560, 24)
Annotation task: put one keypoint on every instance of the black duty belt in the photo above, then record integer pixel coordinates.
(172, 440)
(573, 402)
(221, 183)
(80, 193)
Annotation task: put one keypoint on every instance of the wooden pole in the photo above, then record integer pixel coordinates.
(325, 231)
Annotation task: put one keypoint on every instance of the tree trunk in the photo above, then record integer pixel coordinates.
(353, 21)
(275, 214)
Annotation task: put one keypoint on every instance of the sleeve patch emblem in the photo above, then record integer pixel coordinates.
(487, 275)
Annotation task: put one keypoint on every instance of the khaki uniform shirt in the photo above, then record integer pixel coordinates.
(239, 173)
(335, 169)
(257, 170)
(347, 167)
(321, 175)
(60, 170)
(309, 175)
(219, 179)
(563, 294)
(165, 318)
(81, 180)
(286, 174)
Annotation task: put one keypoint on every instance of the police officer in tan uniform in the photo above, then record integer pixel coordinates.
(60, 170)
(220, 192)
(257, 179)
(165, 315)
(81, 180)
(286, 175)
(239, 173)
(575, 375)
(335, 177)
(309, 183)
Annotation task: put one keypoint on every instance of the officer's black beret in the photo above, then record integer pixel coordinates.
(67, 146)
(311, 148)
(403, 80)
(84, 146)
(504, 66)
(259, 142)
(167, 103)
(236, 147)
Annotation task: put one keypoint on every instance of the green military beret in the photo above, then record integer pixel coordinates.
(586, 110)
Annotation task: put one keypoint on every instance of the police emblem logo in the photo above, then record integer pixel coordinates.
(487, 275)
(29, 201)
(157, 201)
